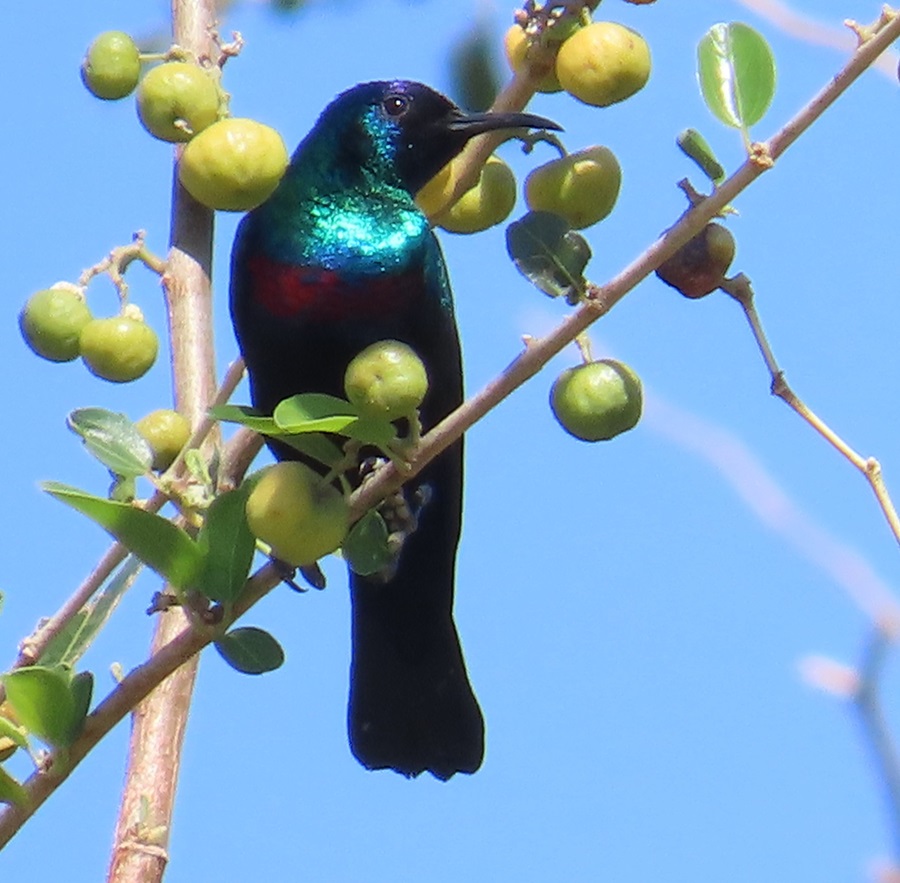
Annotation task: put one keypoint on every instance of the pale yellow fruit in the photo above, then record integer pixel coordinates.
(603, 63)
(485, 204)
(167, 432)
(582, 187)
(435, 195)
(234, 165)
(301, 517)
(516, 46)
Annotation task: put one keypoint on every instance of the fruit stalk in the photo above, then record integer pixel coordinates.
(159, 722)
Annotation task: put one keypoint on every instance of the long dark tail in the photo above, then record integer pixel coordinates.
(411, 705)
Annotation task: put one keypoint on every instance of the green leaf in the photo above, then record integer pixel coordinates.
(694, 145)
(314, 412)
(69, 645)
(11, 791)
(43, 703)
(82, 687)
(113, 439)
(549, 254)
(366, 546)
(372, 431)
(315, 445)
(245, 416)
(227, 546)
(251, 650)
(157, 542)
(736, 70)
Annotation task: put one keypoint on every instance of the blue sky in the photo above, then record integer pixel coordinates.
(633, 628)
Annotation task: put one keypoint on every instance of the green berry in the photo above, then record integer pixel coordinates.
(167, 432)
(582, 187)
(597, 401)
(119, 349)
(233, 165)
(176, 100)
(112, 67)
(386, 381)
(301, 517)
(51, 323)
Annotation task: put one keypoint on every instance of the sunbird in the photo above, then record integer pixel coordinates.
(340, 257)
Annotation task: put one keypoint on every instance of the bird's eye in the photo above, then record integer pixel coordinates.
(396, 105)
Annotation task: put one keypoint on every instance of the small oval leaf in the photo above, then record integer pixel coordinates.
(250, 650)
(157, 542)
(227, 546)
(113, 439)
(315, 445)
(313, 412)
(694, 145)
(43, 702)
(366, 547)
(548, 253)
(245, 416)
(736, 71)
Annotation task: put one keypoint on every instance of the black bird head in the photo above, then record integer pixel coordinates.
(408, 128)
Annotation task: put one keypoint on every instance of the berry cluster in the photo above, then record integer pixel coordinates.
(228, 164)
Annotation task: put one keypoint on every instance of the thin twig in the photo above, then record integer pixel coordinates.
(741, 290)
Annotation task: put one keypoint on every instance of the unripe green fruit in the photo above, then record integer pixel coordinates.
(485, 204)
(177, 92)
(603, 63)
(582, 187)
(167, 432)
(119, 349)
(516, 46)
(51, 323)
(233, 165)
(112, 67)
(698, 268)
(301, 517)
(597, 401)
(387, 381)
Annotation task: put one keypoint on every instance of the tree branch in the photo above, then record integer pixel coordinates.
(140, 850)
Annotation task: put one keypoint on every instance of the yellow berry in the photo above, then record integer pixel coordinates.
(301, 517)
(234, 165)
(518, 55)
(603, 63)
(488, 202)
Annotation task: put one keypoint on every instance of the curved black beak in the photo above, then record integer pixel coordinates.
(471, 124)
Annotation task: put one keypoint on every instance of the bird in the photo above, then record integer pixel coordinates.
(338, 258)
